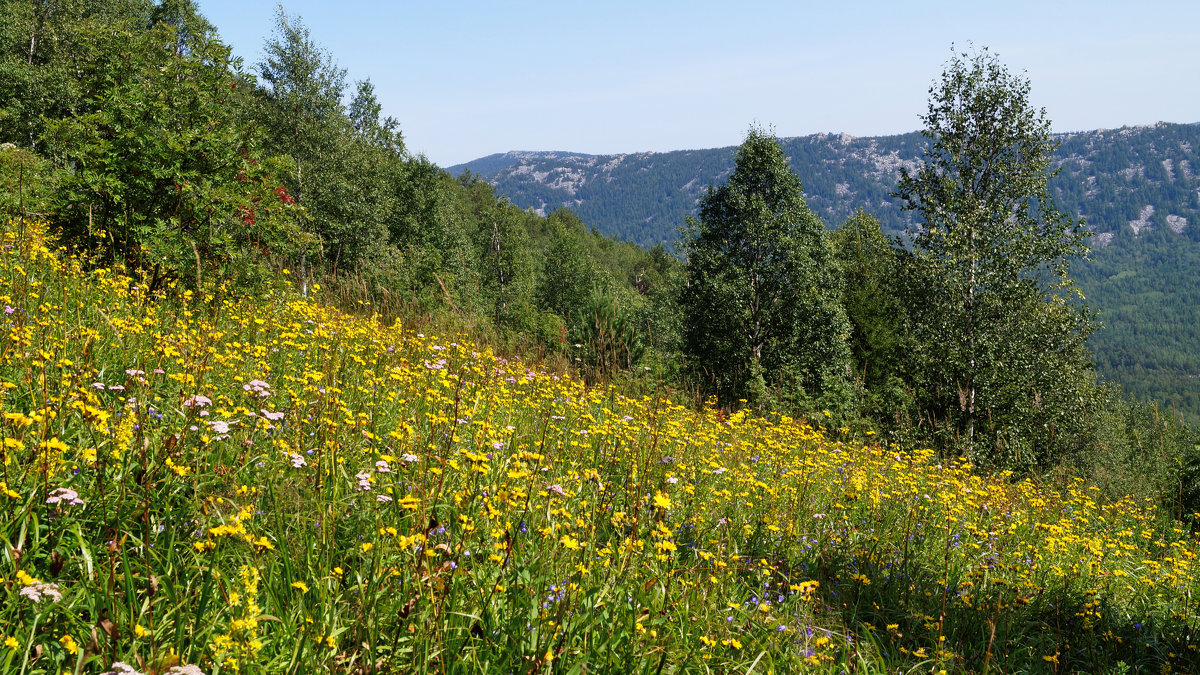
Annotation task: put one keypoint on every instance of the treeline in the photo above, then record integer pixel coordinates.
(968, 334)
(1138, 282)
(131, 127)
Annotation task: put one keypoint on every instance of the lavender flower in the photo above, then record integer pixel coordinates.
(64, 495)
(257, 387)
(196, 401)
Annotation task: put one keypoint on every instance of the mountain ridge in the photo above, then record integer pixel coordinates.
(840, 173)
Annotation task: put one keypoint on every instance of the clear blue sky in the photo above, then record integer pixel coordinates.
(467, 79)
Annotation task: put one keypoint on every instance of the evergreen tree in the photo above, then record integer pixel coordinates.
(760, 303)
(871, 298)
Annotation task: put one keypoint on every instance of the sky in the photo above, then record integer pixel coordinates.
(468, 79)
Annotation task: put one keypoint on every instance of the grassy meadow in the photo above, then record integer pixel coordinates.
(267, 484)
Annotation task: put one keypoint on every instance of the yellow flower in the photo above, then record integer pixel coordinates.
(662, 501)
(367, 546)
(68, 643)
(140, 630)
(11, 642)
(300, 585)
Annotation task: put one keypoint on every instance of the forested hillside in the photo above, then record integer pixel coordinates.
(278, 395)
(133, 129)
(1138, 189)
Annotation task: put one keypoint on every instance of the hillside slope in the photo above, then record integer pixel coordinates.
(1137, 187)
(269, 485)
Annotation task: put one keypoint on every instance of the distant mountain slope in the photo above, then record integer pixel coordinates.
(1138, 188)
(1109, 176)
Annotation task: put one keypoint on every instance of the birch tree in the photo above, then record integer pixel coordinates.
(997, 315)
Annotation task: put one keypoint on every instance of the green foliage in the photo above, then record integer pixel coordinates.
(301, 108)
(608, 338)
(760, 305)
(996, 330)
(506, 267)
(568, 273)
(26, 185)
(162, 170)
(1139, 282)
(870, 265)
(48, 55)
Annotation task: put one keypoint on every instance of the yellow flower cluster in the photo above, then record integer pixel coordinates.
(240, 644)
(370, 474)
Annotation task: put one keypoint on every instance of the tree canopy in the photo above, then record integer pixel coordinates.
(993, 306)
(760, 302)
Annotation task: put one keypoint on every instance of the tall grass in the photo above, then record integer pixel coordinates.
(266, 484)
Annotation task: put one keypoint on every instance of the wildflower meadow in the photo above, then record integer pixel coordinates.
(202, 482)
